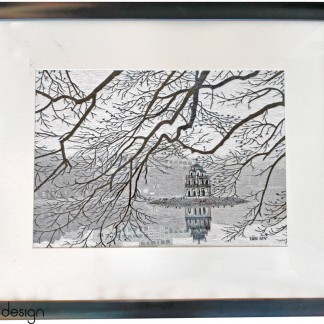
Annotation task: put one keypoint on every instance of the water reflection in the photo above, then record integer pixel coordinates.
(198, 220)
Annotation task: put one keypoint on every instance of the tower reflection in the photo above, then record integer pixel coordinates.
(198, 221)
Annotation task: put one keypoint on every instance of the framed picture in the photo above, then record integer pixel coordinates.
(161, 160)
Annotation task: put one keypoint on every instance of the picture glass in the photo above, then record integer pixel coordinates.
(159, 158)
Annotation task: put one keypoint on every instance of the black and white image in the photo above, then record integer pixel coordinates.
(159, 158)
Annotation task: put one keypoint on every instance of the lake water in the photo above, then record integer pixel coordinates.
(183, 226)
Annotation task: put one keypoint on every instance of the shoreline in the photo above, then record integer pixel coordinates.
(189, 202)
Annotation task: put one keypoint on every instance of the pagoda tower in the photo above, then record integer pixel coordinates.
(197, 182)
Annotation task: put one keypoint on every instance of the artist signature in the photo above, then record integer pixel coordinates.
(258, 238)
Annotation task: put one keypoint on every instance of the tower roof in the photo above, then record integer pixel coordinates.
(197, 166)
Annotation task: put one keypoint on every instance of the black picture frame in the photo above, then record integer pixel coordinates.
(163, 10)
(166, 308)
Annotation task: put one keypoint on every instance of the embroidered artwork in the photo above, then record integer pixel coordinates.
(159, 158)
